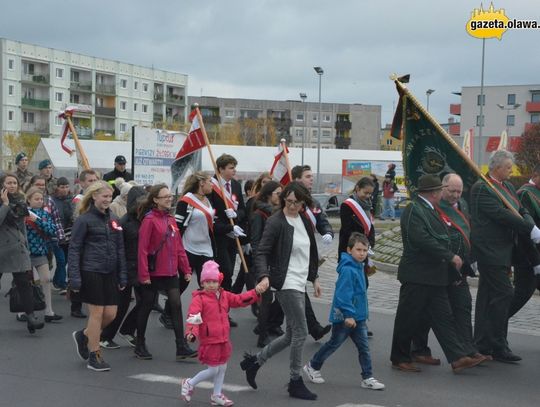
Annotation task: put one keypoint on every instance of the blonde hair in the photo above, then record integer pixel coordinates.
(87, 199)
(192, 182)
(257, 185)
(32, 191)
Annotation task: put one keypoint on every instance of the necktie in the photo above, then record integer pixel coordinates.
(228, 187)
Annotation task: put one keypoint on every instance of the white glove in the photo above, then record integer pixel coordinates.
(536, 270)
(195, 319)
(327, 239)
(231, 214)
(246, 249)
(236, 232)
(535, 234)
(370, 252)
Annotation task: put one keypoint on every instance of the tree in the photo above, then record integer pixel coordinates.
(528, 152)
(26, 142)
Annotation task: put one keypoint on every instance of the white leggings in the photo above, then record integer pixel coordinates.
(45, 281)
(215, 373)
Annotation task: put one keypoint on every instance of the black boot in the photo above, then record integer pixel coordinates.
(298, 389)
(183, 351)
(251, 366)
(319, 331)
(33, 323)
(141, 352)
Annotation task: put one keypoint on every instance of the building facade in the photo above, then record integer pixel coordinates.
(265, 122)
(38, 82)
(510, 108)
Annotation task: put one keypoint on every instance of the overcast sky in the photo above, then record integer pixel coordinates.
(267, 49)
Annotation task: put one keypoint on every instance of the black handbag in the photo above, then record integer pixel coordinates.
(153, 256)
(15, 301)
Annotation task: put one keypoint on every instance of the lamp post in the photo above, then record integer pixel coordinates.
(508, 109)
(303, 96)
(428, 94)
(319, 72)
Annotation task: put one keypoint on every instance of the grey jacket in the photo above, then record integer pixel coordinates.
(14, 254)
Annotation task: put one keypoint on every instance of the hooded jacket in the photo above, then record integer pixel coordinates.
(130, 225)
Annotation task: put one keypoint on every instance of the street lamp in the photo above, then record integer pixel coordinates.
(303, 96)
(428, 94)
(319, 72)
(508, 109)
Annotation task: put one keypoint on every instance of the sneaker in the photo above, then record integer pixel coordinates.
(187, 390)
(220, 400)
(63, 291)
(108, 344)
(313, 375)
(96, 362)
(81, 344)
(130, 339)
(372, 383)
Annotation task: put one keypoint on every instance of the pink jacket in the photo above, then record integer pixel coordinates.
(214, 312)
(171, 259)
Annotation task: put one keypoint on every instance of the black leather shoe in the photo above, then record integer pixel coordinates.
(78, 314)
(250, 365)
(53, 318)
(506, 357)
(320, 331)
(21, 317)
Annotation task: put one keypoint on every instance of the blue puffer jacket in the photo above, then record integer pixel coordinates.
(39, 232)
(350, 296)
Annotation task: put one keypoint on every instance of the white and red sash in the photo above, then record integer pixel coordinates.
(362, 216)
(311, 216)
(196, 203)
(232, 200)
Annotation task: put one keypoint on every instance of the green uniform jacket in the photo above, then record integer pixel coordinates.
(494, 227)
(528, 253)
(426, 246)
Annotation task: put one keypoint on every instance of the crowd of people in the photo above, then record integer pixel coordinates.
(112, 240)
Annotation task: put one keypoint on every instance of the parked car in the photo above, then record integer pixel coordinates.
(330, 203)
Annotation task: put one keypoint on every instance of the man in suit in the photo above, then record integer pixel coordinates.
(494, 229)
(424, 272)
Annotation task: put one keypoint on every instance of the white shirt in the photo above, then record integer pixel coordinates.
(298, 270)
(196, 238)
(429, 203)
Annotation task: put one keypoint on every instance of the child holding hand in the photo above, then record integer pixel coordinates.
(208, 322)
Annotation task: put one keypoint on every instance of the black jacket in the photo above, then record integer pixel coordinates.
(96, 245)
(130, 225)
(323, 225)
(222, 225)
(112, 175)
(275, 248)
(65, 209)
(260, 213)
(350, 223)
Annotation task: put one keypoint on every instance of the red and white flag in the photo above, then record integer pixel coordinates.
(65, 129)
(280, 169)
(195, 139)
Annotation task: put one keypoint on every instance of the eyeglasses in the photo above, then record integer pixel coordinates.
(164, 197)
(290, 202)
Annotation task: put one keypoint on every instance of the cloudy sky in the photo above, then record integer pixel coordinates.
(267, 48)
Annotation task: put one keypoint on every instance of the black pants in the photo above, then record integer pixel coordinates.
(525, 282)
(226, 257)
(311, 319)
(270, 313)
(129, 325)
(74, 297)
(461, 304)
(196, 262)
(243, 278)
(22, 282)
(495, 293)
(416, 300)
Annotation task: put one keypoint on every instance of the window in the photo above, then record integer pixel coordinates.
(535, 118)
(74, 98)
(58, 96)
(145, 108)
(135, 107)
(299, 133)
(123, 83)
(74, 76)
(326, 133)
(11, 64)
(299, 117)
(135, 85)
(480, 120)
(229, 114)
(123, 127)
(511, 100)
(10, 115)
(483, 100)
(315, 117)
(99, 102)
(28, 69)
(59, 73)
(57, 121)
(535, 97)
(28, 117)
(11, 89)
(510, 120)
(145, 87)
(389, 142)
(123, 106)
(314, 133)
(326, 118)
(29, 93)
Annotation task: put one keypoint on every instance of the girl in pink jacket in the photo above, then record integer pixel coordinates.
(208, 321)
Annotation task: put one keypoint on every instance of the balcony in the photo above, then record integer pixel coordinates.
(343, 125)
(103, 89)
(84, 133)
(106, 111)
(104, 132)
(39, 104)
(455, 109)
(35, 128)
(175, 99)
(212, 119)
(282, 123)
(81, 110)
(532, 107)
(454, 129)
(158, 117)
(36, 79)
(158, 97)
(81, 87)
(341, 142)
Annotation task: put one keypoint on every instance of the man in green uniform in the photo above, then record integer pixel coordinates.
(494, 229)
(424, 275)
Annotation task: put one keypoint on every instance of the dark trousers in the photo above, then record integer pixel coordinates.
(525, 282)
(226, 257)
(74, 297)
(196, 262)
(243, 278)
(311, 319)
(416, 300)
(270, 313)
(22, 282)
(495, 293)
(461, 304)
(129, 325)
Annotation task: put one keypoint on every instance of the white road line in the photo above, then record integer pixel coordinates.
(149, 377)
(359, 405)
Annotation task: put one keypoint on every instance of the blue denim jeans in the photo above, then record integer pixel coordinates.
(59, 279)
(388, 209)
(340, 333)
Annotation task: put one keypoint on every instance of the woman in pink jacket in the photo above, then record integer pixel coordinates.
(162, 266)
(208, 322)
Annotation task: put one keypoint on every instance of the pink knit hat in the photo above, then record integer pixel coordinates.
(210, 271)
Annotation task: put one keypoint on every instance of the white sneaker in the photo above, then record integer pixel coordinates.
(220, 400)
(187, 390)
(372, 383)
(313, 375)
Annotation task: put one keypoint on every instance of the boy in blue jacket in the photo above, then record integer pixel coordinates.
(348, 314)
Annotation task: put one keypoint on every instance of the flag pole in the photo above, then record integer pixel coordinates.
(401, 87)
(207, 141)
(286, 155)
(80, 151)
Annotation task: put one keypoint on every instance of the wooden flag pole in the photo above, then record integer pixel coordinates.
(207, 141)
(286, 155)
(452, 142)
(84, 160)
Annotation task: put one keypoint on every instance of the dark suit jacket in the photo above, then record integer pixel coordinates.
(222, 225)
(528, 254)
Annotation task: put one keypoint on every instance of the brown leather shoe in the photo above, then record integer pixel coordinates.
(406, 367)
(426, 360)
(465, 363)
(483, 358)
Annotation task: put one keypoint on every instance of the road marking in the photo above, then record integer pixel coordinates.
(149, 377)
(359, 405)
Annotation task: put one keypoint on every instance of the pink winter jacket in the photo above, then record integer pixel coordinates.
(171, 259)
(214, 312)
